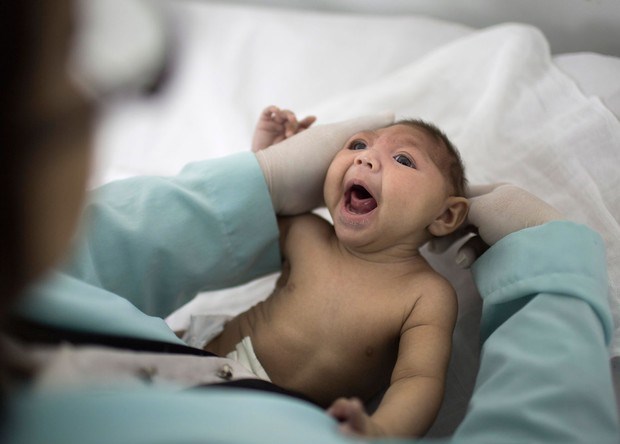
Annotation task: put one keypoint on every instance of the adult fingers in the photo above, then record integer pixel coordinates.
(480, 189)
(441, 244)
(471, 250)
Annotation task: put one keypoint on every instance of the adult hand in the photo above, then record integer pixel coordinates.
(295, 168)
(495, 211)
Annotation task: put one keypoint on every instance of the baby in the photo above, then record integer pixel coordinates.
(357, 308)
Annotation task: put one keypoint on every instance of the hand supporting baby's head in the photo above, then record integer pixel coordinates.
(295, 168)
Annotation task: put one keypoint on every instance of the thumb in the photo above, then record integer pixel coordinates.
(471, 250)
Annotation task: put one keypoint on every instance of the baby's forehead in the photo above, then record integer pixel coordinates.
(417, 137)
(407, 133)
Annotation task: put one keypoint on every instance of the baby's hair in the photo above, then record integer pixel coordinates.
(450, 164)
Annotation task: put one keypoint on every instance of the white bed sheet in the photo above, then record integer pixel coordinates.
(595, 74)
(232, 61)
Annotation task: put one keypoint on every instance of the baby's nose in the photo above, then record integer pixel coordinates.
(366, 160)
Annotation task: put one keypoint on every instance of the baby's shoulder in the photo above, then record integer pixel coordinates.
(433, 290)
(309, 224)
(303, 231)
(433, 280)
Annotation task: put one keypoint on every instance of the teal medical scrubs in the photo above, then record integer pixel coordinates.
(151, 243)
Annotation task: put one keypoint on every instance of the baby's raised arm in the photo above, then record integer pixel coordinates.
(294, 190)
(416, 389)
(275, 124)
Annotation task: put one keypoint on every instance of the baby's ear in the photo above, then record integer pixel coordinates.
(454, 214)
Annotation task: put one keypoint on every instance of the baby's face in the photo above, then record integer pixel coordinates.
(383, 188)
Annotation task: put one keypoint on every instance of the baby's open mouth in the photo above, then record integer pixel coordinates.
(359, 201)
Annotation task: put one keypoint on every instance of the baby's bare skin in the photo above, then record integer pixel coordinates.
(332, 326)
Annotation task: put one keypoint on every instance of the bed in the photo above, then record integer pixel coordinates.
(543, 116)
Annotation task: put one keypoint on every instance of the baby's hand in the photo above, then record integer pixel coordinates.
(275, 125)
(353, 418)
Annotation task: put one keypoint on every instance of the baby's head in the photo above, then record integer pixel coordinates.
(405, 181)
(443, 153)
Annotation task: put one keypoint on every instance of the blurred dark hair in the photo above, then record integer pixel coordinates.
(19, 22)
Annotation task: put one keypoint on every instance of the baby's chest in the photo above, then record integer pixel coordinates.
(346, 306)
(343, 296)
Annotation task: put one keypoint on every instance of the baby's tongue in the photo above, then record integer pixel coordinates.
(361, 201)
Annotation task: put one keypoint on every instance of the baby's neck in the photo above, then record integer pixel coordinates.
(394, 256)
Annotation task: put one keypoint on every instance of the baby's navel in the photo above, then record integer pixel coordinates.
(369, 351)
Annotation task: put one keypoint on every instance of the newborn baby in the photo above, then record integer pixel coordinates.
(357, 308)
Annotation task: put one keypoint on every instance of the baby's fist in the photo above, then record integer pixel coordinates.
(353, 419)
(274, 125)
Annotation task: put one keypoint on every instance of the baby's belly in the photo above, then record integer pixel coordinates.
(323, 373)
(324, 361)
(322, 365)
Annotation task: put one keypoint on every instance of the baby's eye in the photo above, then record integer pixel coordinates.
(404, 160)
(358, 145)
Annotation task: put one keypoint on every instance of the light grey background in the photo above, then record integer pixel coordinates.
(570, 25)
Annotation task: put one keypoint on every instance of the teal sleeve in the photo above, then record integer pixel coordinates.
(158, 241)
(151, 243)
(544, 372)
(139, 415)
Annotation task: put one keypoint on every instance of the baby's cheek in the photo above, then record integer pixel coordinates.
(331, 190)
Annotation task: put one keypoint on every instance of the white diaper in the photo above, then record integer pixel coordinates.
(244, 355)
(203, 328)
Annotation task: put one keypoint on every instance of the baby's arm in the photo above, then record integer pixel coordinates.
(274, 125)
(412, 401)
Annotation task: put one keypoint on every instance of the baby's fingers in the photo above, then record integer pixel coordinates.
(306, 122)
(338, 409)
(269, 113)
(281, 116)
(351, 414)
(289, 120)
